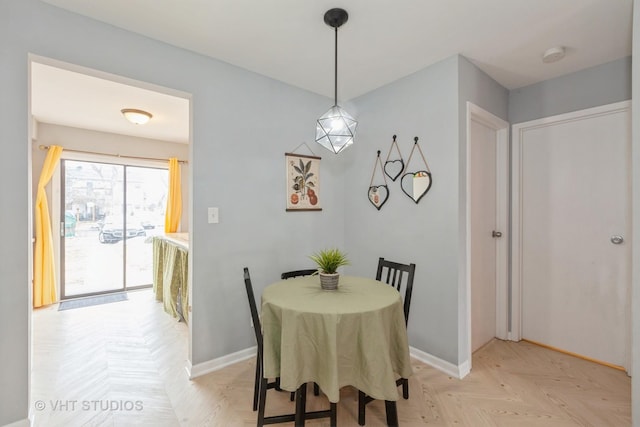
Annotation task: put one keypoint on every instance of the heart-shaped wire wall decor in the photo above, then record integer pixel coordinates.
(378, 194)
(393, 168)
(417, 183)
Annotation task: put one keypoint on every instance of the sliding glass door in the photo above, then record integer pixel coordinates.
(110, 211)
(146, 204)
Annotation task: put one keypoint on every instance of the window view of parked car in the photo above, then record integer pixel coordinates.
(148, 220)
(112, 229)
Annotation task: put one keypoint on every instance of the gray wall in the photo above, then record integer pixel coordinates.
(424, 104)
(240, 133)
(15, 191)
(430, 104)
(600, 85)
(243, 124)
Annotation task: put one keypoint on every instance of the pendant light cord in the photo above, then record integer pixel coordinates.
(335, 86)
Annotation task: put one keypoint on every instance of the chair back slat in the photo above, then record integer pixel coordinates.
(297, 273)
(257, 328)
(394, 274)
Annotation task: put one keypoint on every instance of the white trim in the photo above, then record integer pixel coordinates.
(204, 368)
(501, 127)
(516, 232)
(92, 72)
(518, 131)
(459, 371)
(22, 423)
(213, 365)
(502, 221)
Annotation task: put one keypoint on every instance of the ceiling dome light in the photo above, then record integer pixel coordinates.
(138, 117)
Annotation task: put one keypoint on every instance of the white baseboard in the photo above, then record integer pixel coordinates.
(464, 369)
(194, 371)
(21, 423)
(457, 371)
(215, 364)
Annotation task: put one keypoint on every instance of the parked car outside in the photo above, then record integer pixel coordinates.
(148, 225)
(148, 220)
(111, 229)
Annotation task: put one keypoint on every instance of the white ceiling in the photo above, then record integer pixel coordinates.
(383, 40)
(76, 99)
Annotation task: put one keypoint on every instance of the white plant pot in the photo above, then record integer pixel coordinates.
(329, 281)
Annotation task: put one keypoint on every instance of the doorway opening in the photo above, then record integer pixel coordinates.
(79, 109)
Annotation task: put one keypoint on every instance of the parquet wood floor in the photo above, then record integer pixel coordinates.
(123, 364)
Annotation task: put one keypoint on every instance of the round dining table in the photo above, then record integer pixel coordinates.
(355, 335)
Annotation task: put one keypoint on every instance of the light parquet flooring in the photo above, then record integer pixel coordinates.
(123, 364)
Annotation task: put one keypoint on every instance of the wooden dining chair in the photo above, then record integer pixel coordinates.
(257, 329)
(262, 384)
(297, 273)
(291, 275)
(399, 276)
(392, 273)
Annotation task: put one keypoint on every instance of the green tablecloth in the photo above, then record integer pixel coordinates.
(170, 276)
(355, 335)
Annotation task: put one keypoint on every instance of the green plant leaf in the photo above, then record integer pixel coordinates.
(328, 260)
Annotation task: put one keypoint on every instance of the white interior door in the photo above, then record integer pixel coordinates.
(487, 185)
(571, 197)
(483, 245)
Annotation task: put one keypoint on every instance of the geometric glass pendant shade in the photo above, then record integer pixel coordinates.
(336, 128)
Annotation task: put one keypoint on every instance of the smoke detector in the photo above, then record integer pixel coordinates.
(553, 54)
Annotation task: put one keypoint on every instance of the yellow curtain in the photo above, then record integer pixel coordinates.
(174, 199)
(44, 272)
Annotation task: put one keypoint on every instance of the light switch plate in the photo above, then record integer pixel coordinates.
(213, 216)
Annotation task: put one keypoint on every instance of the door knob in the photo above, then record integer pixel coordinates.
(616, 240)
(495, 233)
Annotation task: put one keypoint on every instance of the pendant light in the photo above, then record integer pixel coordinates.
(335, 128)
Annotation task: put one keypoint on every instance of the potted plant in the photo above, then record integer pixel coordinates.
(328, 261)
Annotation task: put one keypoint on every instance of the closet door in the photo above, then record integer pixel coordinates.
(487, 180)
(571, 207)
